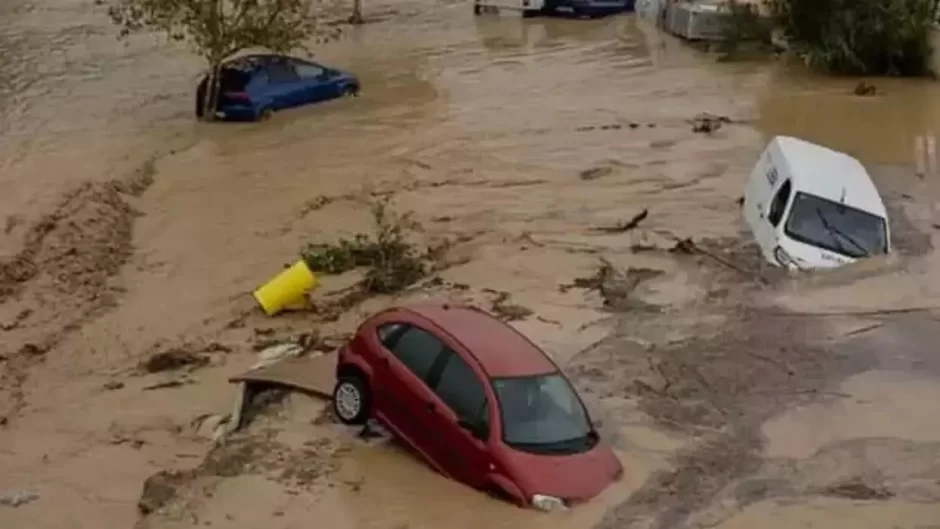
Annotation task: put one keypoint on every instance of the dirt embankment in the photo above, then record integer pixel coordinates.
(178, 494)
(719, 383)
(694, 351)
(718, 389)
(63, 276)
(711, 371)
(697, 350)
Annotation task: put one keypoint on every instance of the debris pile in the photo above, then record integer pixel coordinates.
(392, 261)
(17, 498)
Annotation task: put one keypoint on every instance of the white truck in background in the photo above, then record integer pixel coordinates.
(525, 8)
(576, 8)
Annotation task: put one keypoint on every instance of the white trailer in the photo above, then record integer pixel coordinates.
(525, 8)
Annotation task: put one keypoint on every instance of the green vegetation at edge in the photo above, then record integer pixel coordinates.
(845, 37)
(392, 263)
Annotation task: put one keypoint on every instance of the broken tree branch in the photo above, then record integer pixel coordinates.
(879, 312)
(626, 226)
(687, 245)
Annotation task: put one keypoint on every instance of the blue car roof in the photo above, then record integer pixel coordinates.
(257, 60)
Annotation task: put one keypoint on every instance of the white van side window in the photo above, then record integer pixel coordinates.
(779, 204)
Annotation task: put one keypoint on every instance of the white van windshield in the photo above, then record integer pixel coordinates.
(836, 227)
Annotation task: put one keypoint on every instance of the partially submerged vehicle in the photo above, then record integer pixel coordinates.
(478, 401)
(695, 20)
(699, 20)
(809, 206)
(254, 87)
(577, 8)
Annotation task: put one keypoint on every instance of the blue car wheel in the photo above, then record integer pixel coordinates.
(265, 114)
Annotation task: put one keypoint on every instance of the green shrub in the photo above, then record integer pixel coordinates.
(859, 37)
(392, 262)
(745, 25)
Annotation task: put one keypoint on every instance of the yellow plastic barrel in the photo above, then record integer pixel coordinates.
(286, 289)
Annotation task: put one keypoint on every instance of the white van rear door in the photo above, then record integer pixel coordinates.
(771, 211)
(760, 185)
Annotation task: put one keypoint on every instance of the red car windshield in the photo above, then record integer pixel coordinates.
(542, 414)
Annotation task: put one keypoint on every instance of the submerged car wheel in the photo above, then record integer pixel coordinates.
(351, 91)
(580, 12)
(266, 114)
(351, 400)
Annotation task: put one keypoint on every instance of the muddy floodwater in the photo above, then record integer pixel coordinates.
(735, 396)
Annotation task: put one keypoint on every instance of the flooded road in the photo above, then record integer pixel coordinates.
(130, 229)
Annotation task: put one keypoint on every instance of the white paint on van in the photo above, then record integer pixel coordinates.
(814, 170)
(508, 6)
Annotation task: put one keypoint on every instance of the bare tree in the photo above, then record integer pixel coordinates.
(217, 29)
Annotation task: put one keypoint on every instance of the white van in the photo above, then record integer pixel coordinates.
(812, 207)
(525, 8)
(577, 8)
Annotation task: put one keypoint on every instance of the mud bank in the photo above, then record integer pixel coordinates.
(718, 405)
(63, 277)
(777, 396)
(729, 395)
(705, 378)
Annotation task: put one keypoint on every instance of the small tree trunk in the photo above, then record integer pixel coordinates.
(211, 96)
(356, 17)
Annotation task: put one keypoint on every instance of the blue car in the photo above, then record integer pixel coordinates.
(589, 8)
(254, 87)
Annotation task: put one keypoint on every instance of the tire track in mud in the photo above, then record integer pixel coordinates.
(719, 390)
(720, 386)
(857, 469)
(63, 276)
(256, 450)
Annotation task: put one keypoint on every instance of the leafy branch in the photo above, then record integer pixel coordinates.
(217, 29)
(392, 262)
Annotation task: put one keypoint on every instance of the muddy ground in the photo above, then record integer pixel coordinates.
(736, 396)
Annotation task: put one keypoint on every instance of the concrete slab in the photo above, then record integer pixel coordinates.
(313, 375)
(310, 374)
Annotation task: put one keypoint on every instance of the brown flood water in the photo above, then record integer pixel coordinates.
(484, 128)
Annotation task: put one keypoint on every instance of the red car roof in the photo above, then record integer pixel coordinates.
(500, 349)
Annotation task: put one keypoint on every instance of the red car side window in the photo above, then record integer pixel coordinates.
(461, 389)
(389, 333)
(414, 347)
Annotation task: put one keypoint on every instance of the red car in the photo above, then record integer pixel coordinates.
(478, 401)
